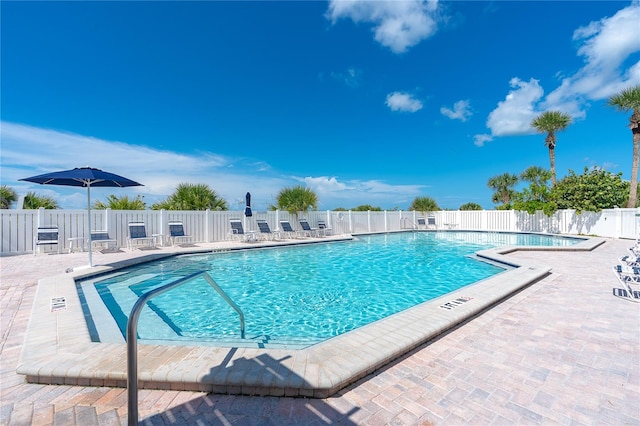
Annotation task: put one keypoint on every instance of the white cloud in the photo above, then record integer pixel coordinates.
(352, 77)
(480, 140)
(461, 111)
(513, 115)
(399, 101)
(28, 151)
(352, 193)
(606, 46)
(398, 25)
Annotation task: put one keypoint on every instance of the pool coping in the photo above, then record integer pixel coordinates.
(57, 351)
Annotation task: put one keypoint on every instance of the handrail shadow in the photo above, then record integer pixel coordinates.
(228, 408)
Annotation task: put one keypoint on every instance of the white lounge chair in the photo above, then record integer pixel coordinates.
(177, 235)
(307, 229)
(629, 277)
(323, 228)
(237, 232)
(102, 237)
(266, 232)
(46, 236)
(138, 234)
(288, 230)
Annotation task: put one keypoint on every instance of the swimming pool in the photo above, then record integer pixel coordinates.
(298, 296)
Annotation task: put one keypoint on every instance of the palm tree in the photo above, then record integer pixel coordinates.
(470, 206)
(503, 186)
(629, 99)
(189, 196)
(550, 122)
(34, 201)
(121, 203)
(296, 199)
(7, 196)
(424, 204)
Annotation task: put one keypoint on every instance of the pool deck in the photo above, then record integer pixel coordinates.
(563, 350)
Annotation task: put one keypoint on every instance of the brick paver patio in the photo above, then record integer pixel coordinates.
(562, 351)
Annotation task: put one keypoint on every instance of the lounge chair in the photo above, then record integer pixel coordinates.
(630, 259)
(322, 228)
(265, 230)
(138, 234)
(288, 230)
(306, 228)
(431, 222)
(237, 232)
(46, 236)
(176, 233)
(628, 276)
(422, 223)
(100, 238)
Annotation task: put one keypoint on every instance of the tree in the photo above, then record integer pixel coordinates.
(424, 204)
(34, 201)
(593, 190)
(8, 196)
(629, 99)
(296, 199)
(366, 208)
(538, 195)
(121, 203)
(470, 206)
(550, 122)
(189, 196)
(503, 185)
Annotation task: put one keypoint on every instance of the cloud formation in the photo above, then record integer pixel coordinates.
(352, 77)
(400, 101)
(606, 46)
(461, 111)
(28, 151)
(397, 25)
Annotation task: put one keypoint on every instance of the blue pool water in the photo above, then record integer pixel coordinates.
(305, 293)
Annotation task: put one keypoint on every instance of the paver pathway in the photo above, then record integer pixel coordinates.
(563, 351)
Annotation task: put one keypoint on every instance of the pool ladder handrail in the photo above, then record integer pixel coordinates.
(132, 335)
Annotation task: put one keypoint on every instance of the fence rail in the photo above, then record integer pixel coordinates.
(18, 227)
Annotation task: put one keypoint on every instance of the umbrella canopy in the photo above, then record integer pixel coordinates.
(85, 177)
(247, 209)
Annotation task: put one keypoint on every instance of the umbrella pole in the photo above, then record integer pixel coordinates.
(89, 223)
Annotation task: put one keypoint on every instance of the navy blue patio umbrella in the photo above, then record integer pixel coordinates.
(85, 177)
(247, 209)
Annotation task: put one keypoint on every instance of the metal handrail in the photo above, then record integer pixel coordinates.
(132, 336)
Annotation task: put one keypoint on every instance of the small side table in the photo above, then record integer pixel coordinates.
(159, 237)
(79, 241)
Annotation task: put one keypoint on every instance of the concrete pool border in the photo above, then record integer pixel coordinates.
(58, 348)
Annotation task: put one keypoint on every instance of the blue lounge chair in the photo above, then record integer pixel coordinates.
(265, 230)
(46, 236)
(237, 232)
(138, 234)
(288, 230)
(323, 228)
(306, 228)
(176, 233)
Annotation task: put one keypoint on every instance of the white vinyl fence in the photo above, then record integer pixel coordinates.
(18, 227)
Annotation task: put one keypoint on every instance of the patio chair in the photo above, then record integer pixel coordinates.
(306, 228)
(237, 232)
(265, 230)
(176, 233)
(627, 276)
(431, 222)
(46, 236)
(100, 238)
(323, 228)
(422, 223)
(288, 230)
(138, 234)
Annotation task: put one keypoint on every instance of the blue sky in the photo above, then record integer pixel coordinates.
(364, 102)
